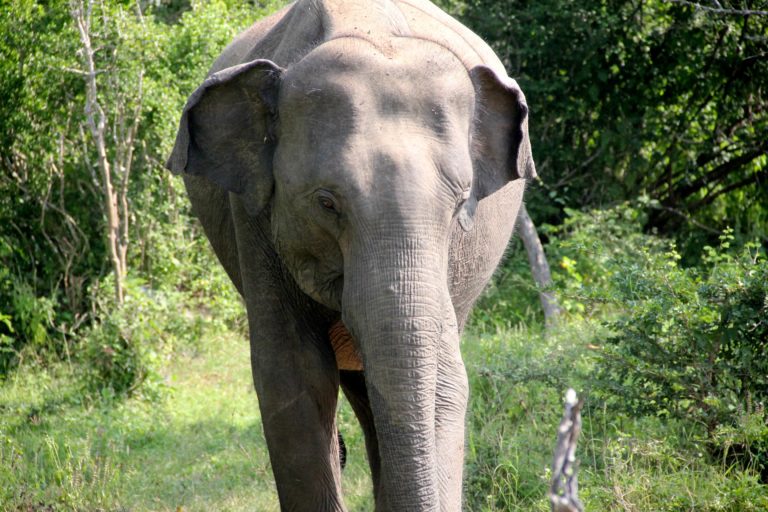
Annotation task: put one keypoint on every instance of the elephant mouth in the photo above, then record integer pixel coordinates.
(344, 346)
(324, 285)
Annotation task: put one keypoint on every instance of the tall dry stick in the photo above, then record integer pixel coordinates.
(564, 487)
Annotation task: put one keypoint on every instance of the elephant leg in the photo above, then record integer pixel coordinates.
(295, 376)
(451, 397)
(297, 386)
(353, 384)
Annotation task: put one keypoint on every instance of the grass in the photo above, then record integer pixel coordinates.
(201, 447)
(627, 464)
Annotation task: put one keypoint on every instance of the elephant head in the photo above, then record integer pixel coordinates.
(368, 158)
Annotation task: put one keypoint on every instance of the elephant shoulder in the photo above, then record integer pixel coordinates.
(259, 41)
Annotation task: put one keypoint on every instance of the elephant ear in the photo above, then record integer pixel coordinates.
(501, 149)
(226, 132)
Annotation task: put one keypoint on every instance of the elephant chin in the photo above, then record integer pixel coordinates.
(347, 354)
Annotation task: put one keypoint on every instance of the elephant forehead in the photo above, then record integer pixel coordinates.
(350, 113)
(349, 84)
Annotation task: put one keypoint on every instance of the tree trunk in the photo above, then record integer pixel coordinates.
(539, 266)
(114, 175)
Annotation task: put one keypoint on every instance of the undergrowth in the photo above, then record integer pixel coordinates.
(186, 434)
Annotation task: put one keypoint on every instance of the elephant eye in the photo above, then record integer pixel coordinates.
(327, 202)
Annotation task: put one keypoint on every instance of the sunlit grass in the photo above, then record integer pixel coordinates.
(201, 448)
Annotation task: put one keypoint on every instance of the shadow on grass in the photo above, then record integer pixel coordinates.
(136, 460)
(138, 455)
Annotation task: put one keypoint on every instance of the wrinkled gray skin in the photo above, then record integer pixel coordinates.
(362, 160)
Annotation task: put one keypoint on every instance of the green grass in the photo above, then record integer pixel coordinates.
(201, 447)
(627, 464)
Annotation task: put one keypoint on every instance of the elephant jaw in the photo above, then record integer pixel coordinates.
(347, 355)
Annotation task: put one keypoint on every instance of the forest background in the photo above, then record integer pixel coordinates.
(119, 332)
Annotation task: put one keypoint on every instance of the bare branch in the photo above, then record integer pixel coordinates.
(687, 218)
(721, 10)
(715, 175)
(69, 70)
(564, 488)
(710, 197)
(96, 119)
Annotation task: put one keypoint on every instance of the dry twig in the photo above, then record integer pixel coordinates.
(564, 488)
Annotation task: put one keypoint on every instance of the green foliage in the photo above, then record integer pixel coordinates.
(511, 298)
(52, 247)
(589, 249)
(627, 462)
(693, 342)
(514, 379)
(631, 97)
(128, 348)
(686, 343)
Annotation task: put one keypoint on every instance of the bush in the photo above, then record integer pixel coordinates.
(693, 340)
(590, 249)
(692, 343)
(687, 342)
(25, 319)
(127, 348)
(511, 299)
(52, 231)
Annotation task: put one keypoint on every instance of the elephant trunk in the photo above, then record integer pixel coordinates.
(395, 304)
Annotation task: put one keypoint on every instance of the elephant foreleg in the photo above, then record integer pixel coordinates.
(295, 376)
(297, 386)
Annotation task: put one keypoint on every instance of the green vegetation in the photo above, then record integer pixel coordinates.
(631, 97)
(199, 448)
(53, 247)
(670, 359)
(648, 123)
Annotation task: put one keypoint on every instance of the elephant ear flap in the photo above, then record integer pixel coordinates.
(501, 149)
(226, 132)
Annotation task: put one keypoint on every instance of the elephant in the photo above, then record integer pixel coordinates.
(358, 166)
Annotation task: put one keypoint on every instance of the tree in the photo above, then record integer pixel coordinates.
(115, 173)
(630, 97)
(539, 266)
(55, 245)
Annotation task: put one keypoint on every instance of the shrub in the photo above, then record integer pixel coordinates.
(26, 320)
(511, 299)
(590, 249)
(52, 243)
(686, 342)
(126, 348)
(692, 343)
